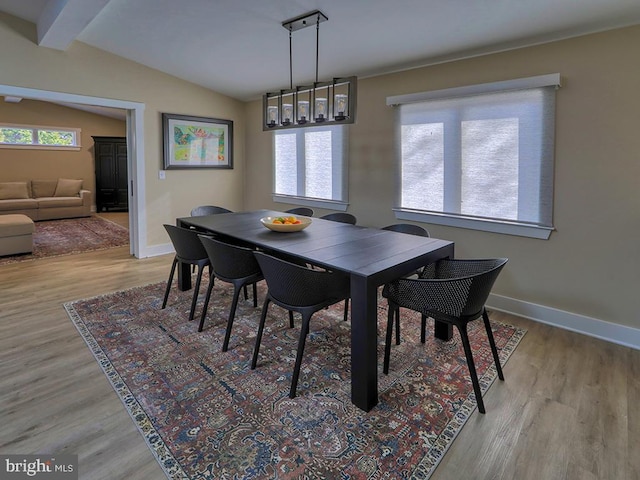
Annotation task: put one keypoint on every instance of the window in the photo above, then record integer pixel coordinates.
(310, 166)
(480, 157)
(30, 136)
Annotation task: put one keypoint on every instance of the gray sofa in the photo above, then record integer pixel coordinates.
(45, 199)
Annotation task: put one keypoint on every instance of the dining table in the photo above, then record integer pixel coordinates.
(370, 256)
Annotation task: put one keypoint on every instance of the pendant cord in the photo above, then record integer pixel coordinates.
(317, 43)
(290, 60)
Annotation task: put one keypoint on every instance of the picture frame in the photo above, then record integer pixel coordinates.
(197, 142)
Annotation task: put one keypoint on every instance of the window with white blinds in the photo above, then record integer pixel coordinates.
(310, 166)
(480, 157)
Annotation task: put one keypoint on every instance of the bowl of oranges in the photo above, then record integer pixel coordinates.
(286, 223)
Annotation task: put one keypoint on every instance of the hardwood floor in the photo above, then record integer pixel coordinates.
(567, 410)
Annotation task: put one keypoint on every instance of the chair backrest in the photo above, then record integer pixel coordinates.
(305, 211)
(342, 217)
(208, 210)
(300, 286)
(186, 243)
(229, 262)
(475, 279)
(408, 228)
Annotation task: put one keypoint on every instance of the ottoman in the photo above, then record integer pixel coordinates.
(16, 234)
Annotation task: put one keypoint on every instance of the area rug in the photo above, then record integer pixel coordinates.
(206, 415)
(72, 235)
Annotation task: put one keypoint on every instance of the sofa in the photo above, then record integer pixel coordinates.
(45, 199)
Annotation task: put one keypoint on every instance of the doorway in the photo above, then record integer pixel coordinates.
(135, 147)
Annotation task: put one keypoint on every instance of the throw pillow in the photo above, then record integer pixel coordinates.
(68, 188)
(13, 190)
(43, 188)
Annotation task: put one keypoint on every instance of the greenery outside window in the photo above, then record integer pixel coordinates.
(32, 136)
(310, 166)
(480, 157)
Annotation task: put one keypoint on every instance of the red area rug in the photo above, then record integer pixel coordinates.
(206, 415)
(72, 235)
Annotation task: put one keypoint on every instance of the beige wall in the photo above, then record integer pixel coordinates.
(87, 71)
(590, 265)
(27, 164)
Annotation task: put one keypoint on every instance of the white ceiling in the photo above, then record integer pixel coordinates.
(239, 47)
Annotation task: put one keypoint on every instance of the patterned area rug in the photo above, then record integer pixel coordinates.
(206, 415)
(72, 235)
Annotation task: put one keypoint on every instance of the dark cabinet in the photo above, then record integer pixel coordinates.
(111, 173)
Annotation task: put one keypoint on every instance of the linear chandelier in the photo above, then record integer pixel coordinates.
(322, 103)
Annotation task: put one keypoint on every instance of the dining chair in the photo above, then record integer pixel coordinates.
(300, 289)
(342, 217)
(304, 211)
(231, 264)
(208, 210)
(189, 250)
(409, 228)
(203, 210)
(449, 291)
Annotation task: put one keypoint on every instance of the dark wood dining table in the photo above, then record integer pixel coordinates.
(370, 256)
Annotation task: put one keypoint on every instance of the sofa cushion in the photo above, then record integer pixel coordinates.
(55, 202)
(68, 188)
(18, 204)
(13, 190)
(43, 188)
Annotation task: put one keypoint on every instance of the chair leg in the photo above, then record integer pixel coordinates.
(492, 343)
(263, 317)
(423, 329)
(255, 295)
(346, 309)
(290, 318)
(196, 289)
(397, 325)
(166, 292)
(472, 367)
(206, 303)
(393, 309)
(246, 293)
(296, 370)
(232, 314)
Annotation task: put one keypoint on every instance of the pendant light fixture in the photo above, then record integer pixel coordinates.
(322, 103)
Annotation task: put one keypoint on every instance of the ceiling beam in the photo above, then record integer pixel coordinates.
(61, 21)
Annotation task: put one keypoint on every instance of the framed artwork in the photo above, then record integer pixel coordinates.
(197, 142)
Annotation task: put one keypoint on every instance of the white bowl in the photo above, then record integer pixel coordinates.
(281, 227)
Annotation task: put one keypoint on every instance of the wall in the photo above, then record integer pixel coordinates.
(27, 164)
(590, 265)
(84, 70)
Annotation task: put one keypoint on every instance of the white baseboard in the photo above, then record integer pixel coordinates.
(593, 327)
(156, 250)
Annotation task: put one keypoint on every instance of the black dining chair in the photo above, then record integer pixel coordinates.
(300, 289)
(231, 264)
(208, 210)
(449, 291)
(189, 250)
(342, 217)
(204, 210)
(409, 228)
(304, 211)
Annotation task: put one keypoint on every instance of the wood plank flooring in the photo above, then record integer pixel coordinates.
(567, 410)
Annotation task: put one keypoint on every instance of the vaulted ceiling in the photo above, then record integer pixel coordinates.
(240, 48)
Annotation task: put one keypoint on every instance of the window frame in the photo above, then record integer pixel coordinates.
(340, 181)
(501, 226)
(77, 135)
